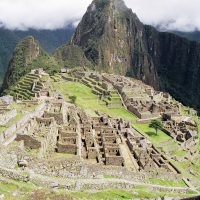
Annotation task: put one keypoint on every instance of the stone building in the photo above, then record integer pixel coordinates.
(57, 110)
(67, 140)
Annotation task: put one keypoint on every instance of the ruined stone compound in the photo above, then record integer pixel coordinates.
(56, 127)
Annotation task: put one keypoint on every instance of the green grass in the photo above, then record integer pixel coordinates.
(168, 183)
(112, 194)
(108, 176)
(89, 101)
(8, 186)
(61, 155)
(180, 153)
(173, 146)
(160, 137)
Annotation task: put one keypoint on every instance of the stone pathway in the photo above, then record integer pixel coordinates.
(130, 162)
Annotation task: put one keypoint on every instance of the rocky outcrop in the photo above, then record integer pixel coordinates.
(114, 40)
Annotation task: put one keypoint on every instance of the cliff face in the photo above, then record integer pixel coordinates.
(115, 41)
(111, 37)
(177, 62)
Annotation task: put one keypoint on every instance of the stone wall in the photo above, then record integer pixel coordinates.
(92, 153)
(67, 148)
(6, 115)
(161, 174)
(11, 131)
(57, 116)
(114, 104)
(29, 141)
(135, 111)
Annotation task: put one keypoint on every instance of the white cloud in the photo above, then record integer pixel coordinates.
(180, 15)
(51, 14)
(41, 14)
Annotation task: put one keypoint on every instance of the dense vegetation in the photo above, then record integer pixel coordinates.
(28, 55)
(70, 56)
(49, 40)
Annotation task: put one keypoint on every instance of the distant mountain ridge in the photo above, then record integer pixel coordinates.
(195, 35)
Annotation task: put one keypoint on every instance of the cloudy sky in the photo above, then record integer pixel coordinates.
(181, 15)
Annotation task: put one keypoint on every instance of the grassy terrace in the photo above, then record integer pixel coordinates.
(136, 192)
(150, 133)
(26, 191)
(166, 182)
(89, 101)
(158, 140)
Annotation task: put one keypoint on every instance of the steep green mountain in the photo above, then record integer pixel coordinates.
(8, 42)
(49, 40)
(28, 55)
(114, 40)
(111, 37)
(69, 56)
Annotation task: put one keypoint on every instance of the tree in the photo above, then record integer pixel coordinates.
(156, 124)
(73, 98)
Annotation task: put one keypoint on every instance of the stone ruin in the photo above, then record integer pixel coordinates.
(39, 71)
(57, 110)
(67, 129)
(147, 156)
(6, 100)
(182, 129)
(6, 111)
(141, 99)
(40, 134)
(68, 140)
(144, 102)
(59, 127)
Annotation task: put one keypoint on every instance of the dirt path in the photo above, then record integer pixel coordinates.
(130, 162)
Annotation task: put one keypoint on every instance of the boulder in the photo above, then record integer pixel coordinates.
(22, 163)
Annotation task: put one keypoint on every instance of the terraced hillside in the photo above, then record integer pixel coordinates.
(106, 92)
(26, 87)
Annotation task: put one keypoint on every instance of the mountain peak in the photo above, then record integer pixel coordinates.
(27, 50)
(109, 33)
